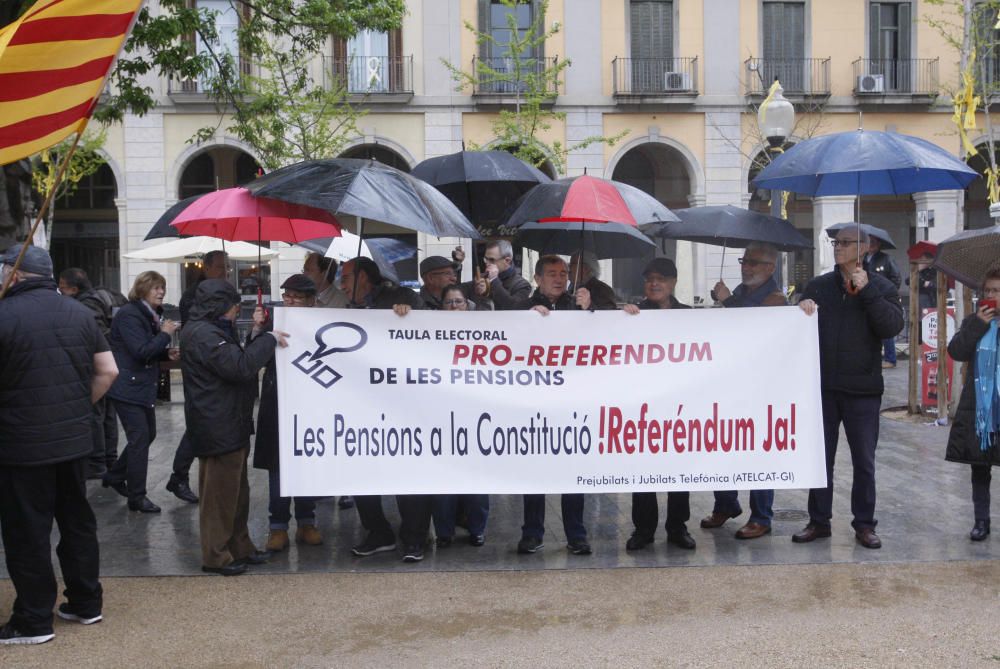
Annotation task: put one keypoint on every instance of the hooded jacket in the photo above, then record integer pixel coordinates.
(220, 376)
(851, 330)
(47, 347)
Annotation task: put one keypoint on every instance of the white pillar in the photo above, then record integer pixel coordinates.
(826, 212)
(691, 260)
(947, 213)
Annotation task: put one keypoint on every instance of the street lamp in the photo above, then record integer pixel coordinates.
(776, 118)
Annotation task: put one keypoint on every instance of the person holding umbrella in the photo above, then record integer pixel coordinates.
(974, 434)
(759, 289)
(660, 279)
(585, 270)
(857, 311)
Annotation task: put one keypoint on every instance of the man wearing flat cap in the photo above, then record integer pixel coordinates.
(220, 379)
(659, 281)
(437, 273)
(54, 365)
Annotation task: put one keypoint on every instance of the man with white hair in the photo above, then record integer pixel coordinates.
(585, 272)
(759, 289)
(501, 283)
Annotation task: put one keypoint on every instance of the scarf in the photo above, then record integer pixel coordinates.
(987, 392)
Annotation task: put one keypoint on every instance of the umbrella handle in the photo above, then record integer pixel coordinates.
(851, 288)
(260, 301)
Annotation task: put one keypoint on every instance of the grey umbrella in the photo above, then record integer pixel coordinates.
(967, 255)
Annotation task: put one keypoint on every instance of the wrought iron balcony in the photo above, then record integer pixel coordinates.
(887, 76)
(655, 76)
(197, 88)
(510, 76)
(370, 75)
(800, 77)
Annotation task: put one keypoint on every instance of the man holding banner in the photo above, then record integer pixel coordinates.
(858, 309)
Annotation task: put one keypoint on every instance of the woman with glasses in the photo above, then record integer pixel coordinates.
(447, 508)
(139, 341)
(976, 430)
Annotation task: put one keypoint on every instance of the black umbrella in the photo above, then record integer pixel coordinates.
(877, 233)
(729, 226)
(967, 255)
(482, 184)
(162, 228)
(368, 189)
(606, 240)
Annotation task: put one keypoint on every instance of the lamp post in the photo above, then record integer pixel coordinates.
(776, 119)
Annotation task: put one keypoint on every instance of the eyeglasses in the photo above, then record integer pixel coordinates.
(991, 291)
(843, 243)
(750, 262)
(454, 303)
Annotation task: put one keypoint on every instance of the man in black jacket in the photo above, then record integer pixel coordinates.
(215, 265)
(857, 310)
(879, 262)
(54, 364)
(507, 288)
(220, 378)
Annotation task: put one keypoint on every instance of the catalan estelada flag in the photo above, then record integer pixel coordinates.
(53, 62)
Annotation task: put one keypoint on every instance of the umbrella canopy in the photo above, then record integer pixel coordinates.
(236, 215)
(192, 248)
(585, 213)
(967, 255)
(877, 233)
(865, 162)
(729, 226)
(369, 189)
(386, 252)
(162, 228)
(482, 184)
(921, 249)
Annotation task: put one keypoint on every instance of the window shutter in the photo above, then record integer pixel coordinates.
(651, 29)
(874, 30)
(484, 26)
(339, 68)
(396, 66)
(905, 23)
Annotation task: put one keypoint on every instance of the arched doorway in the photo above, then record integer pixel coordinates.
(661, 171)
(799, 211)
(977, 205)
(406, 269)
(85, 229)
(216, 168)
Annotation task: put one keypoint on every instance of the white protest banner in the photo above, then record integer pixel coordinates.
(516, 402)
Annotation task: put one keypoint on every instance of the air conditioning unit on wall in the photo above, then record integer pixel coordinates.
(676, 81)
(871, 83)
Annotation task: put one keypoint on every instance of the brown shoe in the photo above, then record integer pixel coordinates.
(715, 520)
(888, 365)
(309, 535)
(277, 541)
(752, 530)
(812, 532)
(866, 537)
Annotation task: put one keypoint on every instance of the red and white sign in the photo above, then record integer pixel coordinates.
(516, 402)
(929, 354)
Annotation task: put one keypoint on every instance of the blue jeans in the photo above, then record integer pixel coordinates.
(572, 514)
(761, 501)
(280, 508)
(890, 349)
(477, 508)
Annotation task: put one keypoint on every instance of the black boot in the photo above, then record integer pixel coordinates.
(980, 530)
(182, 490)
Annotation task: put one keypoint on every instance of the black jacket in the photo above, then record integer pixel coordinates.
(138, 346)
(602, 296)
(220, 377)
(509, 290)
(851, 330)
(882, 264)
(187, 300)
(566, 302)
(387, 295)
(47, 347)
(674, 304)
(963, 443)
(101, 308)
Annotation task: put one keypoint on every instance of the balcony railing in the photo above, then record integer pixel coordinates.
(512, 76)
(199, 86)
(798, 76)
(371, 75)
(655, 76)
(887, 76)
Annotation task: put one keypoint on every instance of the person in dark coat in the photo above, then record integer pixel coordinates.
(926, 283)
(879, 262)
(54, 364)
(552, 277)
(220, 386)
(976, 342)
(298, 291)
(361, 279)
(502, 284)
(858, 309)
(602, 296)
(74, 282)
(215, 265)
(660, 279)
(139, 342)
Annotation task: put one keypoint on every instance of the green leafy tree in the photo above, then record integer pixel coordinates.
(531, 83)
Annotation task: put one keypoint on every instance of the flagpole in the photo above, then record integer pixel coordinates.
(42, 211)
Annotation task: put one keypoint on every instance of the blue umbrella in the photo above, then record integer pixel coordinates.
(865, 162)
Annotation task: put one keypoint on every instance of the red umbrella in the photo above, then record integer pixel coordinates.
(234, 214)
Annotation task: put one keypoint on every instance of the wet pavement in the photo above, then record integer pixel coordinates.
(924, 511)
